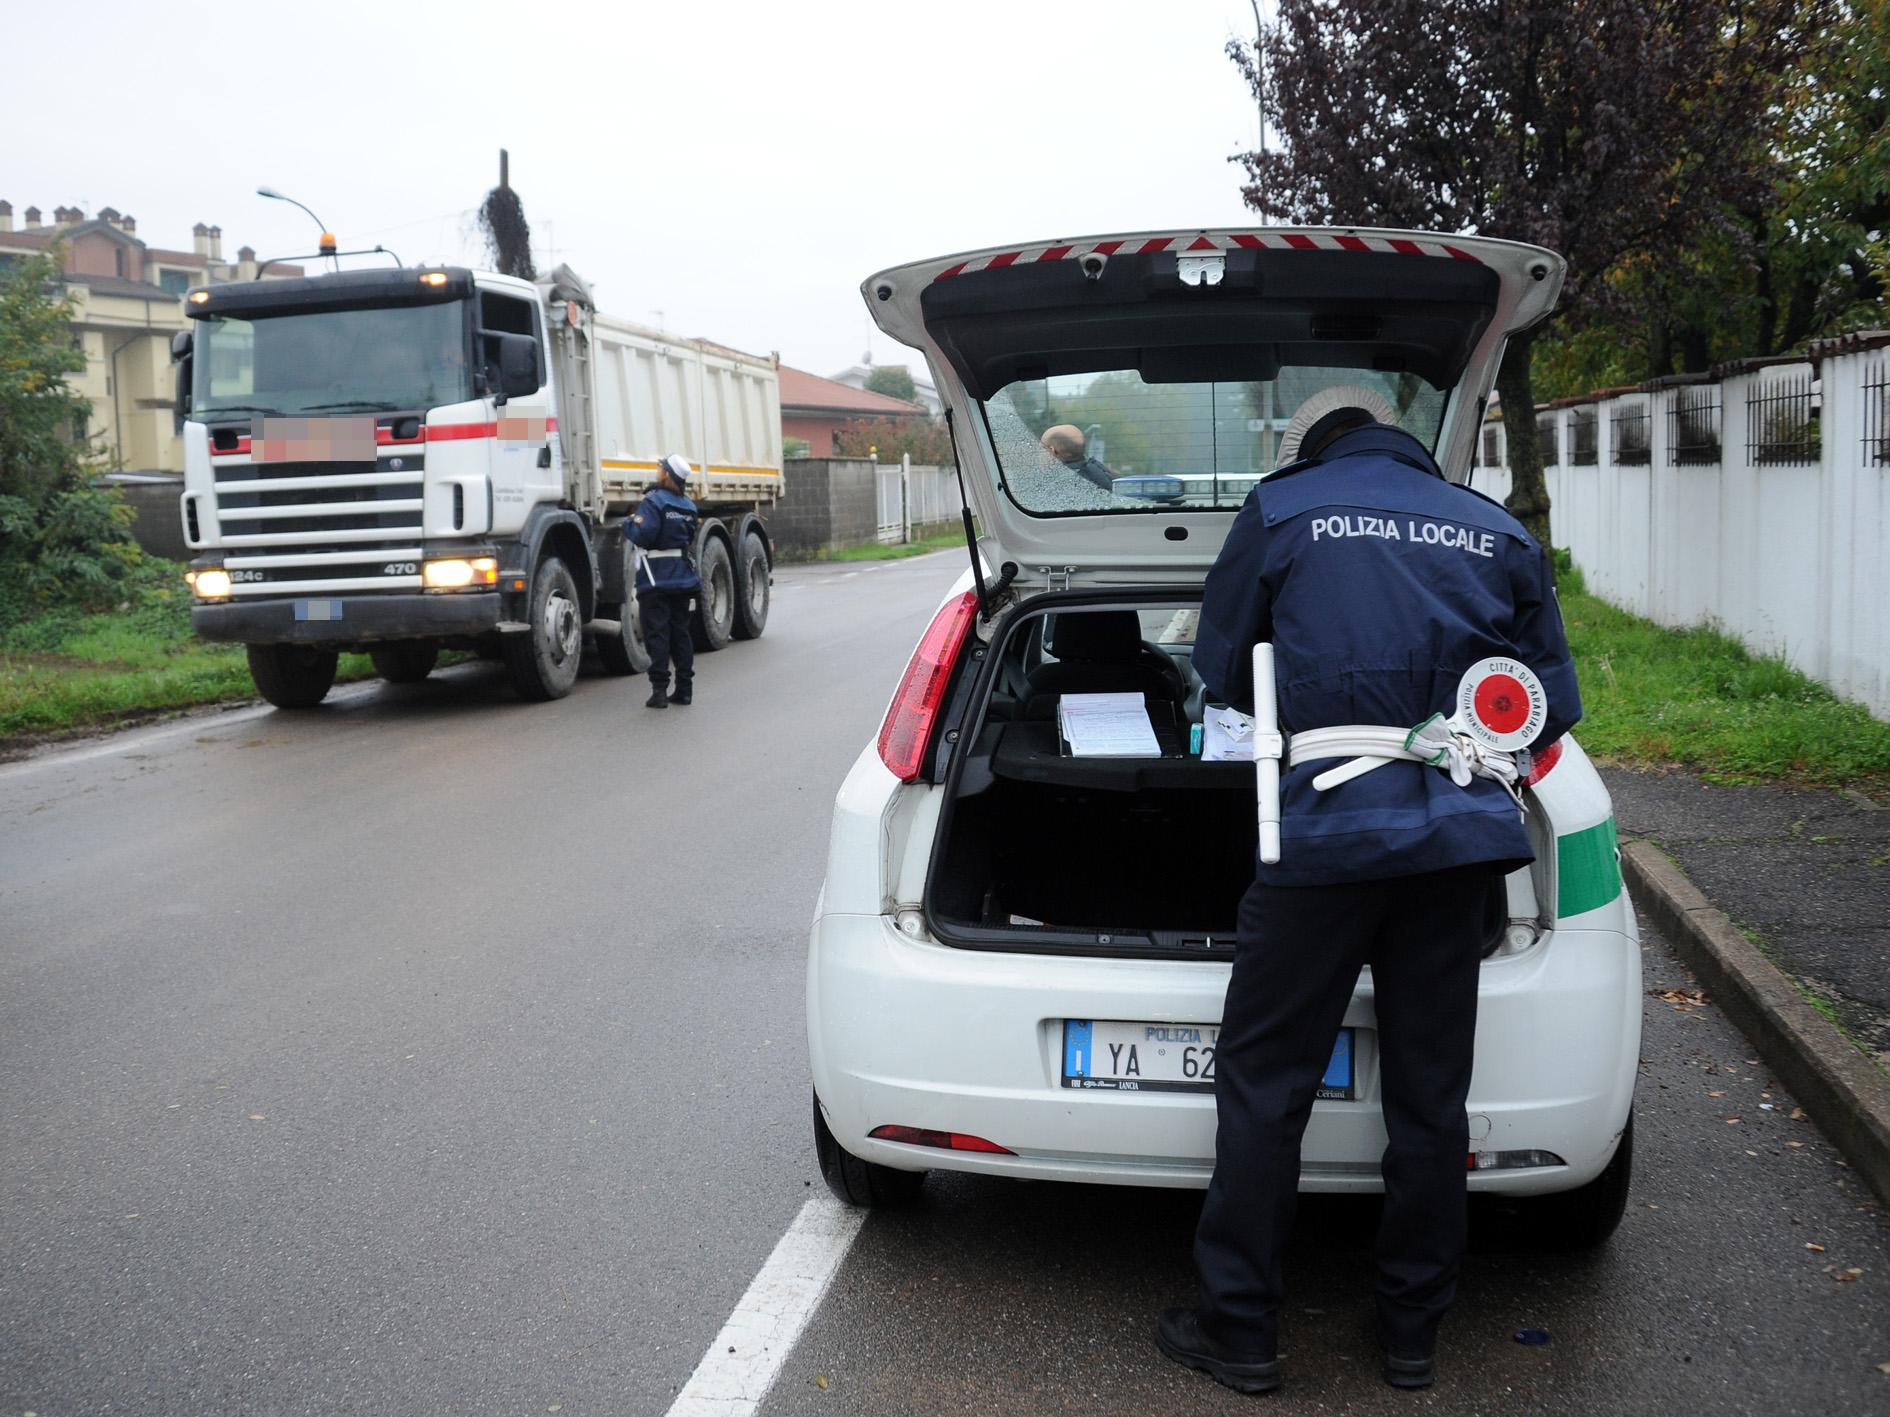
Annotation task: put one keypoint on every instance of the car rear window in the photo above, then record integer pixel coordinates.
(1114, 442)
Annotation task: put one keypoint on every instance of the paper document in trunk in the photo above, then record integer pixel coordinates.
(1115, 399)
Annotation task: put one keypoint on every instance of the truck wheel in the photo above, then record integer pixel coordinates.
(293, 676)
(544, 661)
(406, 663)
(624, 652)
(866, 1184)
(1584, 1218)
(751, 588)
(713, 621)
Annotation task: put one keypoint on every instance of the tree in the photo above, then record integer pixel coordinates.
(894, 381)
(60, 537)
(1604, 129)
(889, 439)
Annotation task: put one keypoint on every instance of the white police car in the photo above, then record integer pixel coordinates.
(1019, 956)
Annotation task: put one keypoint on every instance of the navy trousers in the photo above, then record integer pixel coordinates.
(1297, 957)
(665, 616)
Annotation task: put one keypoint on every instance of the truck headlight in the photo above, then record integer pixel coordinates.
(212, 583)
(458, 574)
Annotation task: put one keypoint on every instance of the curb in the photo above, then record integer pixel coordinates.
(1848, 1098)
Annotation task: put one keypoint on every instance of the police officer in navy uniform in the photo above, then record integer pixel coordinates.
(1379, 584)
(664, 526)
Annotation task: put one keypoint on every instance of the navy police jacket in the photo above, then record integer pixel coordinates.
(664, 521)
(1379, 583)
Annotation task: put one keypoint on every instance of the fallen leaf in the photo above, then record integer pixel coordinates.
(1881, 1367)
(1720, 1093)
(1818, 1248)
(1848, 1276)
(1798, 1114)
(1732, 1121)
(1794, 1144)
(1752, 1153)
(820, 1380)
(256, 1117)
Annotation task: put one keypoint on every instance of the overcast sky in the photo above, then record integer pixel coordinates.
(738, 167)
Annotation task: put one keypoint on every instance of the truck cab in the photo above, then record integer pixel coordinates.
(382, 460)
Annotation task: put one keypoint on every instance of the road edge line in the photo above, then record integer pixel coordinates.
(1847, 1097)
(740, 1366)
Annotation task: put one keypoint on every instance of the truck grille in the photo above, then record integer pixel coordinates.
(322, 526)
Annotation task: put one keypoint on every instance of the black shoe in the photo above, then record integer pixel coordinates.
(659, 698)
(1179, 1336)
(684, 696)
(1410, 1372)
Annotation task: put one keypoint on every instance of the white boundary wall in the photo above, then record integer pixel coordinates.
(1791, 557)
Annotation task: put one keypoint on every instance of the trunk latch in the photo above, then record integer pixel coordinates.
(1201, 270)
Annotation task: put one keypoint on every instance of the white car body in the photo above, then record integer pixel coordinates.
(908, 1030)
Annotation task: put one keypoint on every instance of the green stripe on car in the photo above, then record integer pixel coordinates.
(1587, 869)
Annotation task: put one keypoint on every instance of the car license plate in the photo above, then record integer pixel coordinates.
(318, 609)
(1170, 1057)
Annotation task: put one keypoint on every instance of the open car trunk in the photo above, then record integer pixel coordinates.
(1042, 852)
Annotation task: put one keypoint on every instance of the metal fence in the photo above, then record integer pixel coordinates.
(1629, 428)
(912, 498)
(1876, 414)
(1547, 439)
(1693, 426)
(1782, 421)
(1584, 441)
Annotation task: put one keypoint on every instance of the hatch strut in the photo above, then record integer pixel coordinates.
(1009, 570)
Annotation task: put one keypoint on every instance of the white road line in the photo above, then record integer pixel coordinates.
(746, 1357)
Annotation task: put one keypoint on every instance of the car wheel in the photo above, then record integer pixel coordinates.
(751, 588)
(713, 623)
(405, 663)
(866, 1184)
(293, 676)
(544, 660)
(1584, 1218)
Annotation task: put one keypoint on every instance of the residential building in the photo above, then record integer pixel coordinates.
(814, 409)
(922, 387)
(129, 299)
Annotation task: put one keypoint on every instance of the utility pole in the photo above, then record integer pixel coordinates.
(1260, 93)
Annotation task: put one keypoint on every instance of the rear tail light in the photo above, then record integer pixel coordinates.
(944, 1141)
(1540, 764)
(921, 693)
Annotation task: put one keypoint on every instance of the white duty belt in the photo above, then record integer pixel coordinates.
(663, 555)
(1500, 710)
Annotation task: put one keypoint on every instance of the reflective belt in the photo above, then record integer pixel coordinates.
(1437, 742)
(662, 555)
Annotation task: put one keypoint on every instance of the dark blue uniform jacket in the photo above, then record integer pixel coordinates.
(1379, 583)
(664, 521)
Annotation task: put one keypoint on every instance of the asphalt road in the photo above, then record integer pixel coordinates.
(436, 1053)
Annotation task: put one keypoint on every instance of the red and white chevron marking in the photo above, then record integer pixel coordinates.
(1189, 244)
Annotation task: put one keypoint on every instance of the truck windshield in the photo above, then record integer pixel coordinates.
(404, 357)
(1111, 441)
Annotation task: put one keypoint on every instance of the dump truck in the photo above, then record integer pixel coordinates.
(412, 460)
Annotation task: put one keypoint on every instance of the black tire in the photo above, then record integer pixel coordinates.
(624, 652)
(866, 1184)
(407, 662)
(712, 623)
(1584, 1218)
(293, 676)
(752, 574)
(544, 661)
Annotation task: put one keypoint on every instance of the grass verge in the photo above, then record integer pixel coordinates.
(66, 670)
(1655, 695)
(940, 541)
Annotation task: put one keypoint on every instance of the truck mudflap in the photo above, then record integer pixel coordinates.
(342, 620)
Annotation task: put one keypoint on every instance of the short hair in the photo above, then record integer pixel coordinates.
(1066, 440)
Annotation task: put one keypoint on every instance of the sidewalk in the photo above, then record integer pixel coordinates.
(1805, 871)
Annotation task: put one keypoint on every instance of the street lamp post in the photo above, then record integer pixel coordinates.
(327, 242)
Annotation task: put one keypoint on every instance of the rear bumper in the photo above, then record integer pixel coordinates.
(363, 619)
(910, 1032)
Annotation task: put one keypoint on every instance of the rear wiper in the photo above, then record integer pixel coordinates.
(366, 405)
